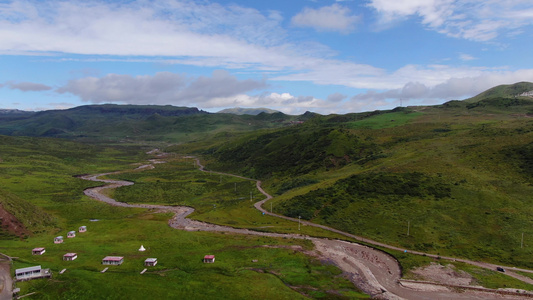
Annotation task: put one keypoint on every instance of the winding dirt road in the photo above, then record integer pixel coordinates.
(373, 271)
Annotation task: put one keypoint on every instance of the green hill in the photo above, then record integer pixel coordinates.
(138, 123)
(503, 91)
(459, 173)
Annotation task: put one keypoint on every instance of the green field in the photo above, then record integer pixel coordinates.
(54, 204)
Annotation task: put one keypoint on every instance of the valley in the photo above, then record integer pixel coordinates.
(373, 271)
(412, 203)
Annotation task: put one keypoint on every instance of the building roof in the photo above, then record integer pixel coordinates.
(209, 257)
(38, 249)
(150, 260)
(83, 226)
(70, 254)
(28, 269)
(72, 231)
(114, 258)
(59, 237)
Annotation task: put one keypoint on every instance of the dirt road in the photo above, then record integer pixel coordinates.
(373, 271)
(6, 282)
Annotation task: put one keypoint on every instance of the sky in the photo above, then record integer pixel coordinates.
(294, 56)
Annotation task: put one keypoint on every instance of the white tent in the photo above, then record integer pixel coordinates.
(142, 248)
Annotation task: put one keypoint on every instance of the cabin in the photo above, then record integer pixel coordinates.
(82, 229)
(113, 260)
(58, 240)
(150, 262)
(71, 234)
(38, 251)
(209, 259)
(70, 256)
(32, 273)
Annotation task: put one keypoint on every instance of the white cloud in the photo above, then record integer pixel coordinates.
(328, 18)
(466, 57)
(336, 97)
(162, 28)
(454, 88)
(162, 88)
(27, 86)
(284, 102)
(478, 20)
(173, 31)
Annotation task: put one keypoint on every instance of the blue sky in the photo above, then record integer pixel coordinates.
(323, 56)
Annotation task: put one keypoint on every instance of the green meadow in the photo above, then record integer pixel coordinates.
(279, 271)
(245, 267)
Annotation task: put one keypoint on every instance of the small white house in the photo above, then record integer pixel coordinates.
(70, 256)
(58, 240)
(113, 260)
(38, 251)
(209, 259)
(71, 234)
(150, 262)
(82, 229)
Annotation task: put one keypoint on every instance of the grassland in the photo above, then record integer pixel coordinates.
(180, 272)
(40, 173)
(458, 176)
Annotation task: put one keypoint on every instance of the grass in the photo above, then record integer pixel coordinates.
(387, 120)
(180, 272)
(218, 199)
(44, 181)
(242, 215)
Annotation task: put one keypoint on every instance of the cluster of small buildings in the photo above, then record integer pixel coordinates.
(70, 234)
(37, 272)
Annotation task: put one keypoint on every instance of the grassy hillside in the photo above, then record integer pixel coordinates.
(37, 176)
(458, 175)
(503, 91)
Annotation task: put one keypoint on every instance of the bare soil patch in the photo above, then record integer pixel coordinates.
(11, 224)
(444, 274)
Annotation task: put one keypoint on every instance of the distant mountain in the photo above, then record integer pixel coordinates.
(247, 111)
(15, 112)
(121, 123)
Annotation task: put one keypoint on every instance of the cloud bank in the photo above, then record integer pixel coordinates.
(162, 88)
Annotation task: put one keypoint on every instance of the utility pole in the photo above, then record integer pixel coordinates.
(299, 222)
(408, 225)
(270, 207)
(522, 241)
(251, 197)
(235, 187)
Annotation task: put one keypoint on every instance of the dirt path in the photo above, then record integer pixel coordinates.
(373, 271)
(6, 282)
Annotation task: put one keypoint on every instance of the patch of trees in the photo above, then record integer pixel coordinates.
(295, 151)
(325, 203)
